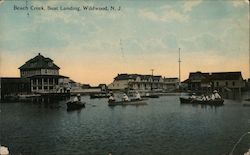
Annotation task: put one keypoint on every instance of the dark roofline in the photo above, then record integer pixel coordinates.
(39, 58)
(60, 76)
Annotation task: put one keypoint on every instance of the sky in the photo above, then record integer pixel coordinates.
(94, 46)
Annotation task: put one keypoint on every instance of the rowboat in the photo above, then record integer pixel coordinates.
(216, 102)
(93, 96)
(135, 102)
(73, 105)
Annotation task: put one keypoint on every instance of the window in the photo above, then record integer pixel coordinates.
(51, 87)
(217, 84)
(226, 83)
(34, 88)
(233, 83)
(45, 87)
(40, 87)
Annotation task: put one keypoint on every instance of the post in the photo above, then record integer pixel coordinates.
(179, 66)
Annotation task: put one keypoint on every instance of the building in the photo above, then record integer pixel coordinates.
(227, 80)
(13, 86)
(170, 84)
(141, 82)
(43, 74)
(222, 81)
(198, 81)
(248, 84)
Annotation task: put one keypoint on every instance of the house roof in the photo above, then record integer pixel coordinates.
(39, 62)
(205, 75)
(125, 76)
(226, 76)
(134, 76)
(48, 76)
(156, 77)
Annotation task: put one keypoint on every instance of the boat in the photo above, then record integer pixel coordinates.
(101, 95)
(151, 96)
(135, 102)
(74, 105)
(216, 102)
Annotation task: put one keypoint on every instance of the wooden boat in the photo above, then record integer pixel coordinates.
(151, 96)
(73, 105)
(216, 102)
(93, 96)
(135, 102)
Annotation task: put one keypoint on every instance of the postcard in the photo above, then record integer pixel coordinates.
(116, 77)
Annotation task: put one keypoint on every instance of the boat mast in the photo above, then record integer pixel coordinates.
(179, 67)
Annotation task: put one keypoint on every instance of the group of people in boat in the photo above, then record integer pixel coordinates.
(214, 96)
(125, 97)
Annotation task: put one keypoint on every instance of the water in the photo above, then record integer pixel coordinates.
(164, 126)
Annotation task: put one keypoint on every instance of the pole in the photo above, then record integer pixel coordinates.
(179, 67)
(152, 74)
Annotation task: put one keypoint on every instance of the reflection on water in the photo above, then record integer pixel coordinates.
(236, 95)
(164, 126)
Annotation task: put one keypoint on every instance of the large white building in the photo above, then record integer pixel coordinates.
(43, 74)
(142, 82)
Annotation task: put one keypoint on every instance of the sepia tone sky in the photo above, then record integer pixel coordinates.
(94, 46)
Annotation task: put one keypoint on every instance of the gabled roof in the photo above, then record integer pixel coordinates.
(156, 77)
(205, 75)
(146, 77)
(226, 76)
(39, 62)
(134, 76)
(126, 76)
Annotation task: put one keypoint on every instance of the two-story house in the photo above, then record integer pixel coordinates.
(43, 74)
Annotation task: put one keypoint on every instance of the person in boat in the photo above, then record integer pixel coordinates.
(75, 99)
(112, 98)
(212, 97)
(217, 95)
(125, 97)
(193, 97)
(79, 97)
(137, 95)
(203, 98)
(207, 98)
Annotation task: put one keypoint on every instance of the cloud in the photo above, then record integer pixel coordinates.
(165, 15)
(188, 5)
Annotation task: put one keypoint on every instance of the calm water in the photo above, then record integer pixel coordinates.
(162, 127)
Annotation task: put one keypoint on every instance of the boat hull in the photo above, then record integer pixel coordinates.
(210, 102)
(151, 96)
(75, 105)
(94, 96)
(125, 103)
